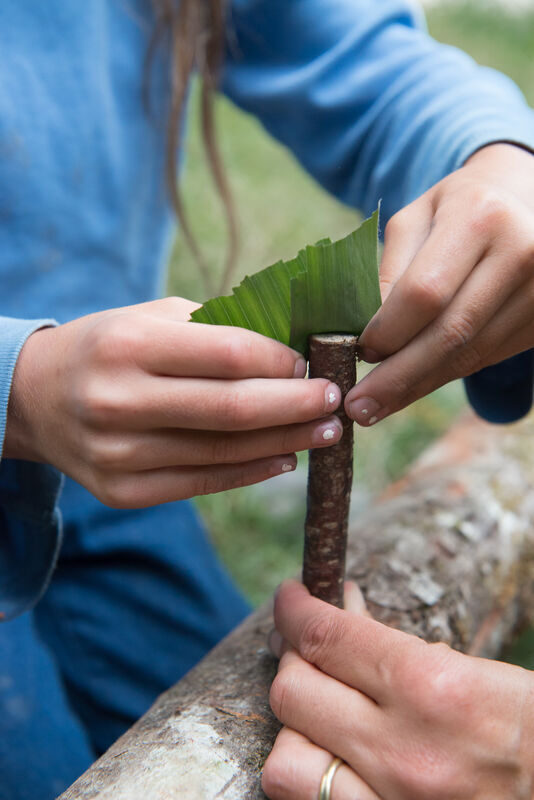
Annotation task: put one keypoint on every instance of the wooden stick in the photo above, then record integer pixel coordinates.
(332, 356)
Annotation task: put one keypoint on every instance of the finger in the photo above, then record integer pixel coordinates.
(427, 286)
(354, 649)
(450, 348)
(511, 331)
(334, 716)
(205, 404)
(176, 348)
(522, 340)
(295, 767)
(405, 234)
(354, 602)
(172, 448)
(143, 489)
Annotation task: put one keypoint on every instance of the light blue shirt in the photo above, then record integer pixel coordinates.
(366, 100)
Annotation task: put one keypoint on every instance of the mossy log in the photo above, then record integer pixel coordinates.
(447, 554)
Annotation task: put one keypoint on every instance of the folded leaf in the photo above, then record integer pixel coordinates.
(330, 287)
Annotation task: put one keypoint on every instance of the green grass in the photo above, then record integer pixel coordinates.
(494, 37)
(258, 530)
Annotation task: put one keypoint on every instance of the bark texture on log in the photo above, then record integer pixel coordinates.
(332, 356)
(448, 554)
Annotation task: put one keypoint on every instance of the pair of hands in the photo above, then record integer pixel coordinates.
(411, 720)
(142, 407)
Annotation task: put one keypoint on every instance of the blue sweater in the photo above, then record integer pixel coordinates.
(366, 100)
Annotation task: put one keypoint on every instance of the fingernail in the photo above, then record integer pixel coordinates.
(300, 368)
(283, 464)
(364, 410)
(332, 397)
(371, 356)
(354, 599)
(328, 432)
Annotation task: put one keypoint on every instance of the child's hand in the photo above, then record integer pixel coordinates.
(457, 280)
(143, 407)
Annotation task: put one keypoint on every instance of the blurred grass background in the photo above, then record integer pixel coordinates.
(258, 530)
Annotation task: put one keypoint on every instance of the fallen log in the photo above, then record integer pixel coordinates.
(447, 554)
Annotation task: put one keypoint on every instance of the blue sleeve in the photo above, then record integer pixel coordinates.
(374, 108)
(30, 524)
(369, 103)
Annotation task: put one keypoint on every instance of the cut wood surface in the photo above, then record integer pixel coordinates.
(448, 554)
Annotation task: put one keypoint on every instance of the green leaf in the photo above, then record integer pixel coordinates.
(330, 287)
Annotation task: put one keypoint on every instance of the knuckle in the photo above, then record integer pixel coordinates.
(236, 410)
(208, 483)
(427, 293)
(275, 780)
(108, 455)
(116, 492)
(440, 681)
(401, 390)
(234, 353)
(172, 304)
(118, 338)
(97, 404)
(225, 450)
(290, 439)
(456, 334)
(455, 341)
(467, 361)
(282, 694)
(488, 210)
(398, 223)
(212, 481)
(319, 634)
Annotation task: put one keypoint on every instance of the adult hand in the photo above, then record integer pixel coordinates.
(142, 407)
(412, 721)
(457, 281)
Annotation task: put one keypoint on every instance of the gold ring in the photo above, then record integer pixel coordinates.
(328, 779)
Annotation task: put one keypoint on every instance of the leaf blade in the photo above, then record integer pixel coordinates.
(330, 287)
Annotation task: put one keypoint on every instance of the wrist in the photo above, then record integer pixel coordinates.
(500, 154)
(26, 400)
(508, 167)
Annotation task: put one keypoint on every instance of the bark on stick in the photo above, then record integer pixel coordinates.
(332, 356)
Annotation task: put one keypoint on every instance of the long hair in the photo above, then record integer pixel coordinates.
(194, 32)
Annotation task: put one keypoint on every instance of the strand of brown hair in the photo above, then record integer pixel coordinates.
(194, 30)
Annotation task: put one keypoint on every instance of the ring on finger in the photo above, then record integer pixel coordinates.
(327, 780)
